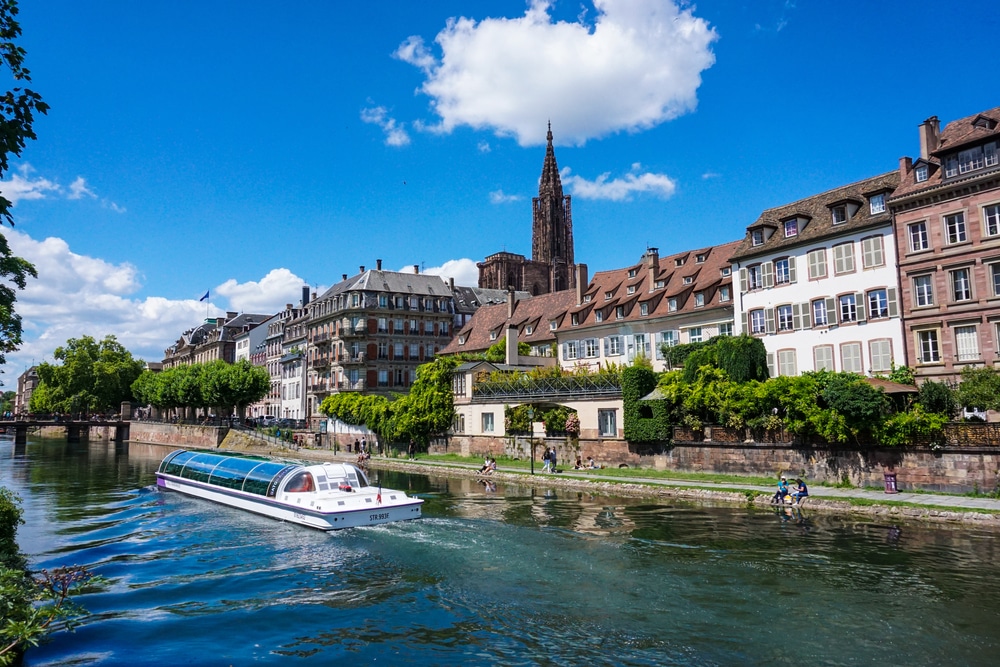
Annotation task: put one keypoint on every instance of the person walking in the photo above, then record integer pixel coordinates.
(552, 460)
(545, 460)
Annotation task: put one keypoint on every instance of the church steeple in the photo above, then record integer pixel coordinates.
(552, 223)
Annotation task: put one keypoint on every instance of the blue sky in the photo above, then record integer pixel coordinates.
(248, 148)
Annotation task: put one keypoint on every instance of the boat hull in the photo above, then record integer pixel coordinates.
(364, 510)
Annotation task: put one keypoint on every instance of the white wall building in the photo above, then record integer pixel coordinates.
(818, 282)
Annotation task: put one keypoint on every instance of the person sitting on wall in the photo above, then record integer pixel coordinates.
(579, 464)
(486, 465)
(782, 492)
(591, 464)
(800, 491)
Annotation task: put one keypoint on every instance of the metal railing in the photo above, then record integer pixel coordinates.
(523, 387)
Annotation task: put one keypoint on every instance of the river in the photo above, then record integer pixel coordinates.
(499, 576)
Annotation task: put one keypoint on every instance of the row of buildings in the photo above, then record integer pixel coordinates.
(902, 268)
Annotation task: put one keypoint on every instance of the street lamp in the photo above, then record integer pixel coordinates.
(531, 436)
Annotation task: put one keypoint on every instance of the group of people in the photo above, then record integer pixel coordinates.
(590, 465)
(549, 459)
(489, 466)
(783, 492)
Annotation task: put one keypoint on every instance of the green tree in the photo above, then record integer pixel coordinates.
(18, 107)
(937, 397)
(93, 377)
(980, 388)
(234, 385)
(497, 353)
(429, 407)
(7, 401)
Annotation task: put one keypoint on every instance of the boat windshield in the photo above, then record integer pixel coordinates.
(301, 482)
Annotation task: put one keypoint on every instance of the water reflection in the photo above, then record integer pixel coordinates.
(495, 573)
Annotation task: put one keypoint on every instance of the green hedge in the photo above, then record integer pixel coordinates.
(645, 421)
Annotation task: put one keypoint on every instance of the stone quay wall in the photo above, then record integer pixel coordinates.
(180, 435)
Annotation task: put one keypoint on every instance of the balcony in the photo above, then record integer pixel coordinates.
(321, 338)
(320, 388)
(347, 385)
(356, 358)
(319, 362)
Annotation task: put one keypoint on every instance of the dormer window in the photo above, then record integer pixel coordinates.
(660, 284)
(727, 271)
(553, 325)
(700, 259)
(971, 159)
(688, 280)
(672, 305)
(632, 273)
(598, 315)
(608, 295)
(839, 214)
(575, 320)
(984, 123)
(877, 204)
(586, 299)
(644, 309)
(757, 237)
(528, 330)
(921, 173)
(619, 312)
(631, 289)
(699, 299)
(493, 335)
(679, 262)
(461, 340)
(791, 228)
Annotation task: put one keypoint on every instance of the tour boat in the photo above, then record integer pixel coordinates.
(328, 496)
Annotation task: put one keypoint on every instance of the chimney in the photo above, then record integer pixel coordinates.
(314, 296)
(343, 276)
(305, 295)
(905, 167)
(510, 301)
(930, 137)
(581, 282)
(362, 268)
(288, 306)
(653, 265)
(416, 268)
(230, 315)
(451, 283)
(378, 264)
(511, 344)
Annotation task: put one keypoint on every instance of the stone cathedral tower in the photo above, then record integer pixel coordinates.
(552, 267)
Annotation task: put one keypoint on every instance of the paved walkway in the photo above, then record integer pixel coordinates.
(940, 500)
(816, 491)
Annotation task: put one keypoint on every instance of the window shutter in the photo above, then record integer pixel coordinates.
(796, 317)
(745, 323)
(770, 365)
(861, 302)
(604, 346)
(767, 271)
(891, 299)
(791, 270)
(743, 280)
(806, 315)
(831, 311)
(769, 320)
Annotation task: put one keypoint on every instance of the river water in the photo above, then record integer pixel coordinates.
(493, 576)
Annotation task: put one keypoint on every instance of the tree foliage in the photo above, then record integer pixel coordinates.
(427, 409)
(980, 388)
(497, 352)
(18, 107)
(213, 385)
(92, 377)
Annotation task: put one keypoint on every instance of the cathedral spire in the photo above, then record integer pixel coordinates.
(552, 224)
(550, 183)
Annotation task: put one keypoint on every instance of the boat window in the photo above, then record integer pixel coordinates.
(199, 467)
(231, 472)
(173, 464)
(300, 483)
(264, 479)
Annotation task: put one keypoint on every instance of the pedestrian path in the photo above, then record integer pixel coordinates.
(941, 500)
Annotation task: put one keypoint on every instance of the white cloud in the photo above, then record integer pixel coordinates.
(483, 146)
(395, 134)
(22, 186)
(464, 271)
(621, 188)
(639, 64)
(710, 174)
(498, 197)
(78, 189)
(75, 295)
(269, 295)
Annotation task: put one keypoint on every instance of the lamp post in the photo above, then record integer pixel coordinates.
(531, 436)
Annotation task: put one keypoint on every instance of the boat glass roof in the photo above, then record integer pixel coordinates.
(251, 475)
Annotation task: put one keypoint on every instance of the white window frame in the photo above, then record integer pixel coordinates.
(923, 290)
(851, 360)
(783, 317)
(820, 316)
(757, 321)
(991, 220)
(791, 228)
(966, 343)
(961, 284)
(487, 422)
(607, 423)
(877, 204)
(847, 308)
(877, 302)
(928, 344)
(955, 229)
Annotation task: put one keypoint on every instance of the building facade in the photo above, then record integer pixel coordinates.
(947, 213)
(552, 267)
(817, 282)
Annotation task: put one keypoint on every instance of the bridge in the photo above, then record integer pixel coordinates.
(76, 429)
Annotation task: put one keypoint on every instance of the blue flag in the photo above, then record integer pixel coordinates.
(204, 298)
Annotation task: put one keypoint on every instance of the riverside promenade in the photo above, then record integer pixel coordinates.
(938, 507)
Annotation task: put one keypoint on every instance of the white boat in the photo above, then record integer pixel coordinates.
(328, 496)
